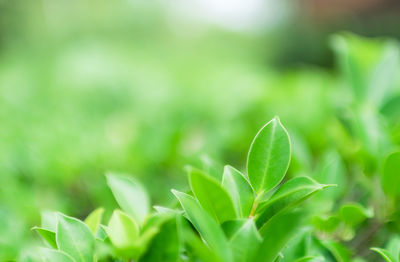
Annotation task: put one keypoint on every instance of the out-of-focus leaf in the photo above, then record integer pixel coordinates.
(211, 167)
(75, 238)
(339, 252)
(390, 176)
(277, 232)
(122, 230)
(165, 245)
(51, 255)
(211, 196)
(130, 195)
(245, 242)
(269, 156)
(394, 246)
(49, 237)
(239, 189)
(385, 254)
(289, 194)
(353, 213)
(49, 220)
(94, 219)
(205, 225)
(326, 223)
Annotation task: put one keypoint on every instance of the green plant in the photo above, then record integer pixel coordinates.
(226, 216)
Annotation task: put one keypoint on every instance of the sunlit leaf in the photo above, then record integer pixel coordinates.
(94, 219)
(245, 242)
(122, 230)
(49, 237)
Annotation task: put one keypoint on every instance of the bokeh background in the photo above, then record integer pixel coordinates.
(146, 87)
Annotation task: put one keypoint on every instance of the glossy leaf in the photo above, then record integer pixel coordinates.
(205, 225)
(236, 184)
(277, 232)
(130, 195)
(74, 238)
(269, 156)
(49, 237)
(289, 194)
(94, 219)
(211, 196)
(390, 176)
(245, 242)
(122, 230)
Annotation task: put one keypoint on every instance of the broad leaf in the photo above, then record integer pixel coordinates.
(74, 238)
(205, 225)
(239, 189)
(51, 255)
(130, 195)
(94, 219)
(269, 156)
(49, 237)
(276, 233)
(391, 175)
(211, 196)
(289, 194)
(122, 230)
(245, 242)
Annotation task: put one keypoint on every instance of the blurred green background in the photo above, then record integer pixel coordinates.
(145, 87)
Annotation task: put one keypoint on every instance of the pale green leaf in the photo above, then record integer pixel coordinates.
(122, 230)
(51, 255)
(130, 195)
(75, 238)
(269, 156)
(94, 219)
(239, 189)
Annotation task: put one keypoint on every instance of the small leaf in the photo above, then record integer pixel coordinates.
(239, 189)
(49, 220)
(288, 195)
(353, 213)
(74, 238)
(130, 195)
(51, 255)
(205, 225)
(122, 230)
(212, 167)
(49, 237)
(277, 232)
(339, 252)
(391, 177)
(211, 196)
(94, 219)
(245, 242)
(385, 254)
(269, 156)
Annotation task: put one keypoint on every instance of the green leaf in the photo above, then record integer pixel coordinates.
(205, 225)
(339, 252)
(353, 213)
(390, 176)
(122, 230)
(288, 195)
(245, 242)
(49, 220)
(277, 232)
(49, 237)
(239, 189)
(165, 245)
(230, 227)
(94, 219)
(212, 167)
(269, 156)
(211, 196)
(74, 238)
(130, 195)
(51, 255)
(385, 254)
